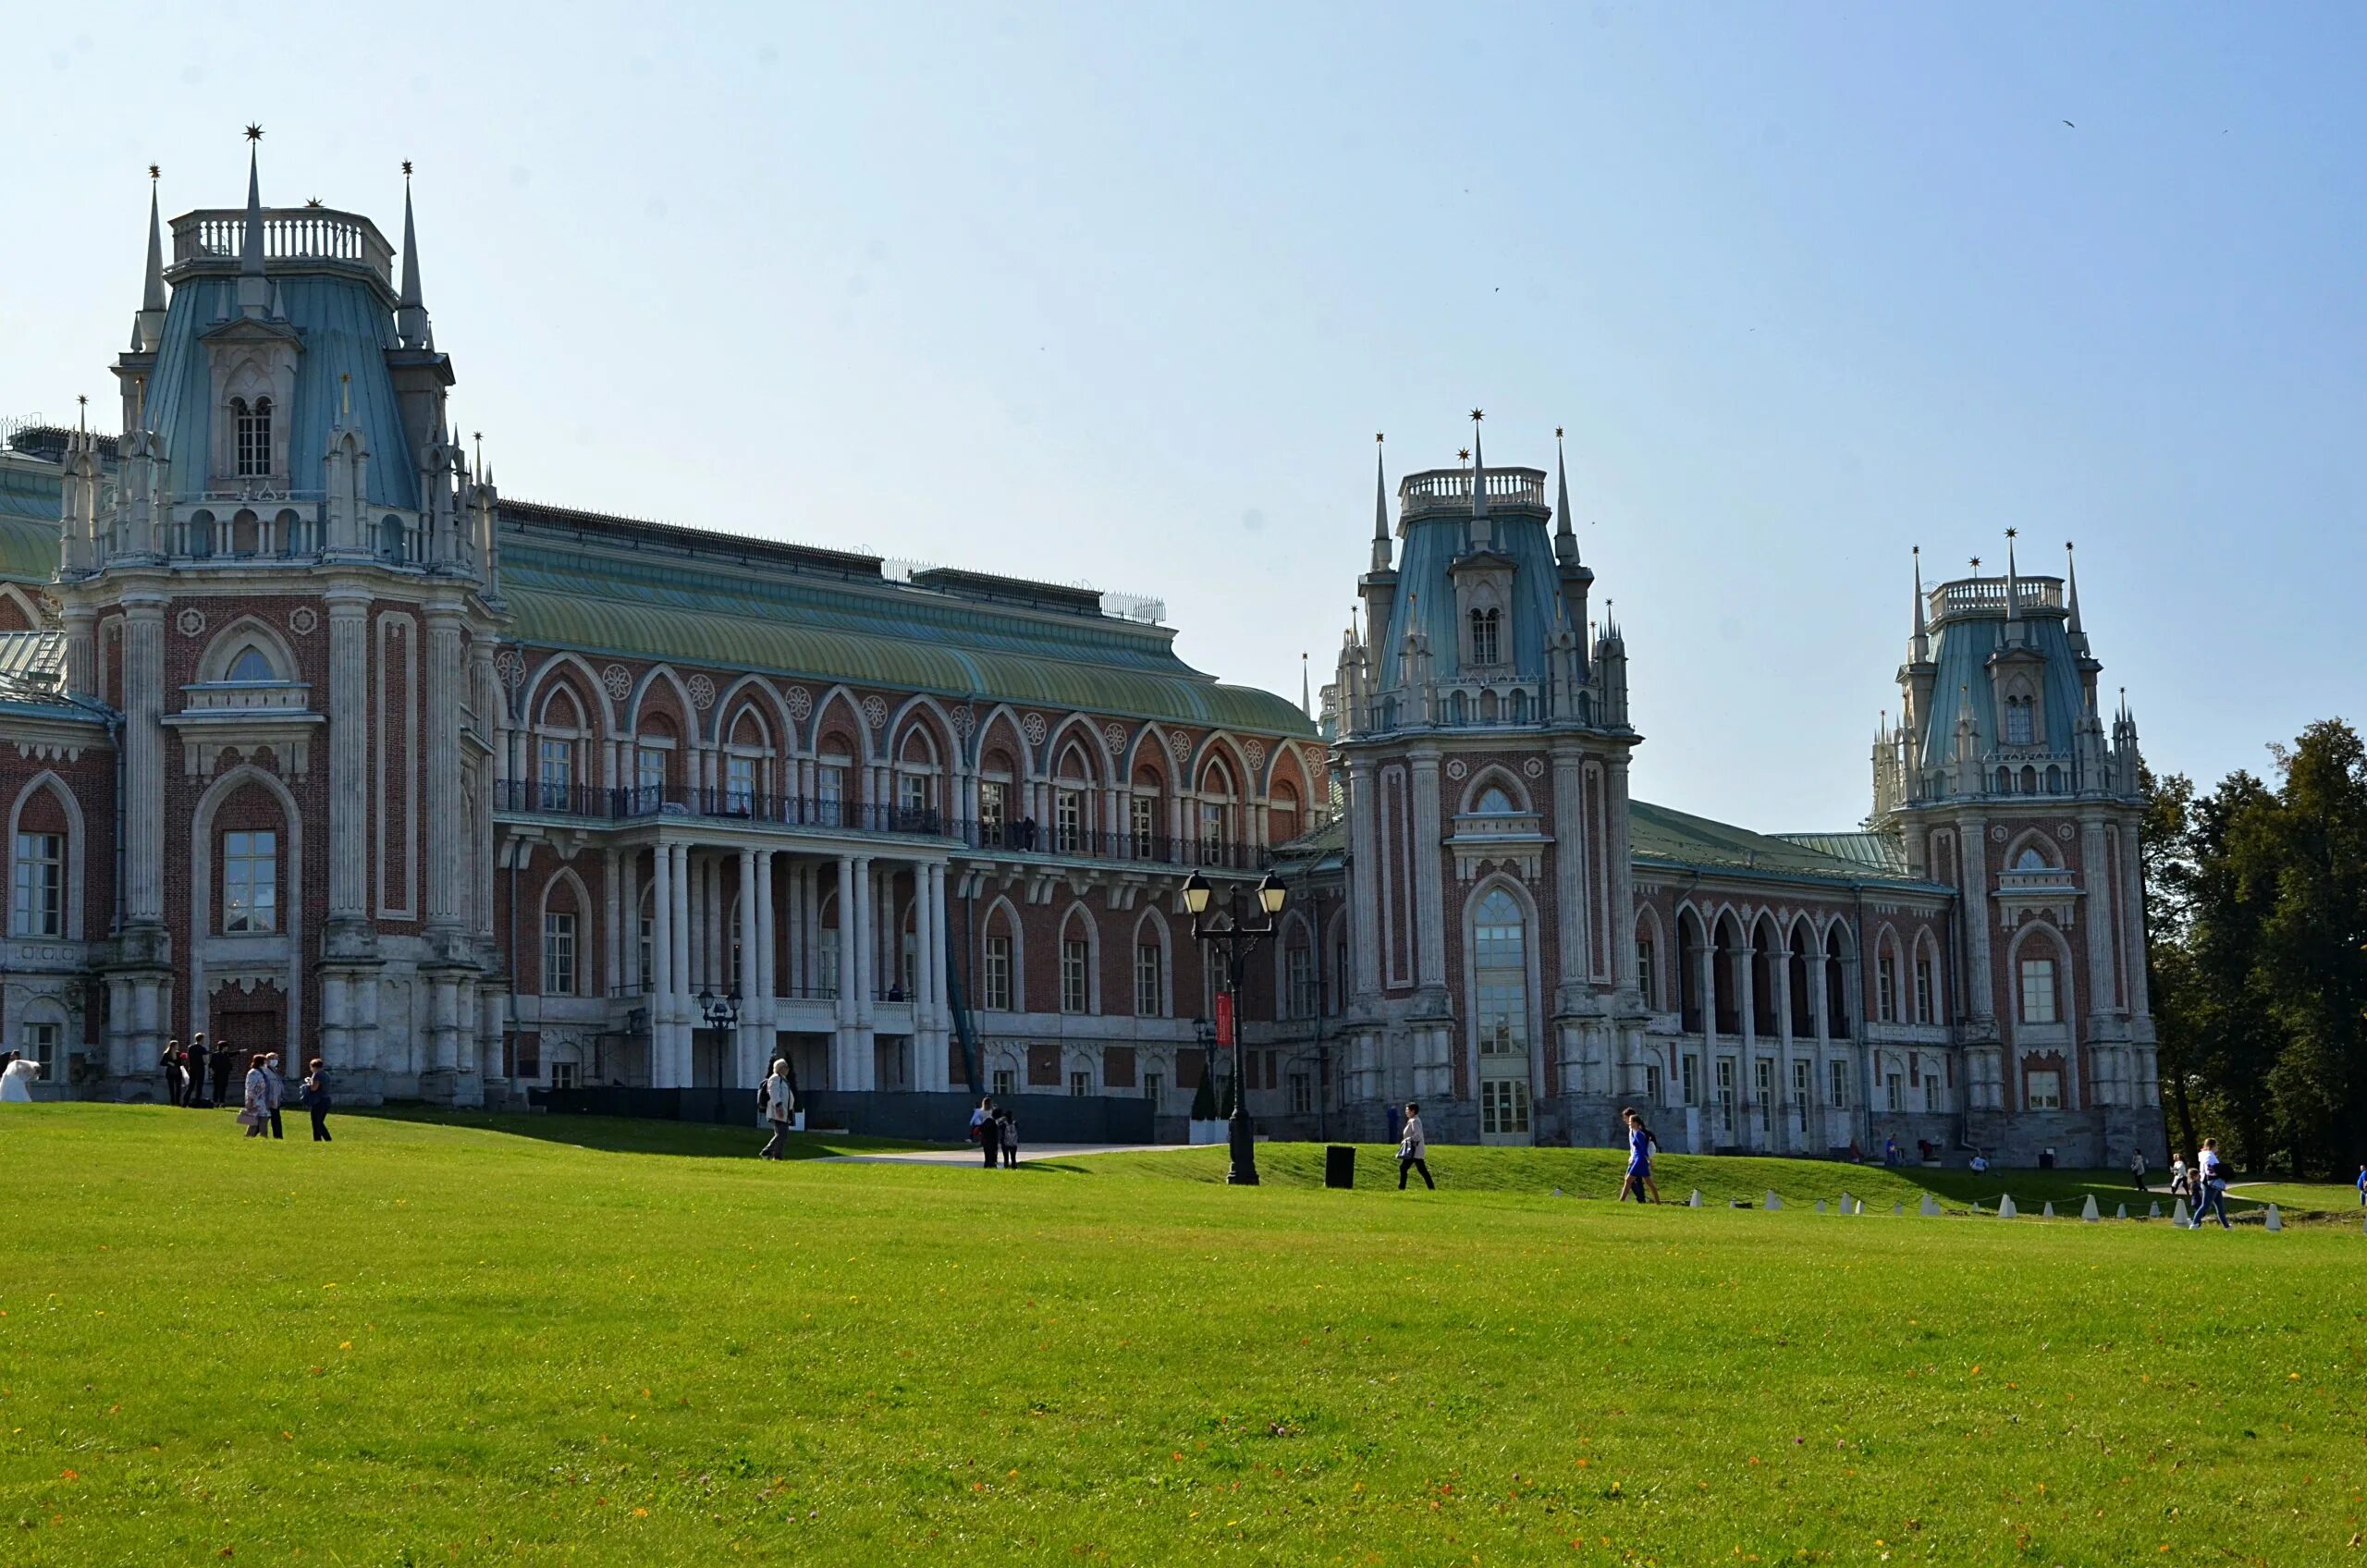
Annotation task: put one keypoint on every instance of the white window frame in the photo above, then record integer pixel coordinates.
(2038, 977)
(38, 902)
(257, 912)
(1076, 975)
(1150, 980)
(560, 975)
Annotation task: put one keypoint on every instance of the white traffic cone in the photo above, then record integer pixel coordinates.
(1695, 1201)
(2178, 1213)
(1772, 1201)
(2005, 1209)
(1931, 1206)
(2275, 1221)
(2091, 1213)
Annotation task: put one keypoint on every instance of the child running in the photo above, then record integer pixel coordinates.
(1641, 1144)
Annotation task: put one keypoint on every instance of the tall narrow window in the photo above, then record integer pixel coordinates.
(649, 777)
(2038, 990)
(1006, 1083)
(1487, 640)
(1689, 1070)
(1764, 1087)
(1501, 976)
(39, 908)
(1726, 1095)
(830, 788)
(648, 933)
(250, 881)
(554, 773)
(558, 953)
(1150, 980)
(914, 798)
(993, 812)
(2017, 722)
(1068, 820)
(253, 427)
(1923, 1013)
(1080, 1085)
(1886, 988)
(1800, 1094)
(1144, 810)
(1299, 964)
(1644, 971)
(1838, 1083)
(826, 984)
(994, 988)
(1076, 971)
(740, 786)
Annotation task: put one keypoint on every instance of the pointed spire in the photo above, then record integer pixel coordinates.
(1483, 532)
(2013, 583)
(1305, 703)
(2071, 586)
(410, 313)
(1379, 507)
(1922, 646)
(149, 329)
(254, 291)
(1565, 537)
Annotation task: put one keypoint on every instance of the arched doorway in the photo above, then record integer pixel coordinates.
(1500, 1016)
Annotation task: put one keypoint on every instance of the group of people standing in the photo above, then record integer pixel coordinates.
(264, 1091)
(996, 1131)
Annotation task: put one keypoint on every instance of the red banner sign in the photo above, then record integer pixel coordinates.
(1224, 1018)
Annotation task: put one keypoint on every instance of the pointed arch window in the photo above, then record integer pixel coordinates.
(2019, 725)
(253, 424)
(1494, 802)
(250, 668)
(1487, 636)
(1499, 949)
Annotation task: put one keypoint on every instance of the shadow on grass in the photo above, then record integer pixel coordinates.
(631, 1135)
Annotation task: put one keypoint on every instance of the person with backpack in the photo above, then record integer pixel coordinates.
(316, 1099)
(1007, 1134)
(2211, 1185)
(778, 1101)
(1641, 1144)
(1413, 1149)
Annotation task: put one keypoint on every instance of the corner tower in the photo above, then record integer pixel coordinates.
(290, 597)
(1486, 750)
(2002, 781)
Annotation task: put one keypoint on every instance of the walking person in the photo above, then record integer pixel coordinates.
(316, 1099)
(2210, 1181)
(780, 1101)
(2137, 1168)
(254, 1112)
(2362, 1186)
(194, 1095)
(984, 1132)
(1007, 1133)
(2179, 1185)
(16, 1076)
(1640, 1144)
(1413, 1149)
(278, 1088)
(176, 1081)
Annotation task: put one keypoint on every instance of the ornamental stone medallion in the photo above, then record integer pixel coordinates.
(1114, 735)
(875, 712)
(301, 619)
(963, 721)
(702, 692)
(1457, 768)
(1997, 835)
(1033, 728)
(1534, 767)
(617, 679)
(1256, 752)
(1179, 746)
(2066, 832)
(800, 702)
(191, 621)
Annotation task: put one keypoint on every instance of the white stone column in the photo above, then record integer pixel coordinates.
(658, 993)
(678, 1036)
(440, 718)
(842, 1075)
(1363, 879)
(2098, 875)
(1746, 1016)
(1573, 939)
(1973, 882)
(1782, 975)
(2131, 907)
(144, 768)
(1619, 874)
(867, 944)
(1430, 916)
(750, 1038)
(767, 953)
(612, 921)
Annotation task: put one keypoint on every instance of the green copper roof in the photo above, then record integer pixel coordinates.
(822, 626)
(29, 499)
(1660, 836)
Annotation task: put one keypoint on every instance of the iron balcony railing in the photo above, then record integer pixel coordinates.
(1026, 837)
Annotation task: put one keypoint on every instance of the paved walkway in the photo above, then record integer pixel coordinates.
(968, 1154)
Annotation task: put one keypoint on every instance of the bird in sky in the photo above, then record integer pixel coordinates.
(2073, 127)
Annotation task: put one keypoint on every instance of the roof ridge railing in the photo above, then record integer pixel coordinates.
(290, 234)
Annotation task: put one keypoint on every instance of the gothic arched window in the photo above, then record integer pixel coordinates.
(249, 667)
(2019, 726)
(1494, 802)
(1487, 639)
(253, 427)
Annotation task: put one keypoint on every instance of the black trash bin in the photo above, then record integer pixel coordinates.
(1339, 1166)
(2046, 1160)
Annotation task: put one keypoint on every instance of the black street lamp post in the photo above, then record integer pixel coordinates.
(1233, 937)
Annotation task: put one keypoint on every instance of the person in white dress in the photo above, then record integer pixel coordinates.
(17, 1079)
(256, 1112)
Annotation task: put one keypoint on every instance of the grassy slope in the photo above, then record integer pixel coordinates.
(455, 1344)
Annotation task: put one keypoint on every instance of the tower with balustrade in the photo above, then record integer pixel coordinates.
(1487, 862)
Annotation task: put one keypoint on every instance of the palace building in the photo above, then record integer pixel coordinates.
(318, 743)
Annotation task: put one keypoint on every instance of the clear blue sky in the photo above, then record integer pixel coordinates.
(1121, 293)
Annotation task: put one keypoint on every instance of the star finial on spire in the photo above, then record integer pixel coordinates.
(1976, 566)
(155, 173)
(254, 132)
(406, 168)
(82, 402)
(2013, 533)
(1557, 433)
(1464, 453)
(1478, 414)
(1379, 435)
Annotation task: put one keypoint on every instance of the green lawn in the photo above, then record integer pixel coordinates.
(437, 1343)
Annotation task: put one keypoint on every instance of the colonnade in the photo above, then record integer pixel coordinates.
(788, 962)
(1791, 1119)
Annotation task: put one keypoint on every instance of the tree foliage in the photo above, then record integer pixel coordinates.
(2257, 940)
